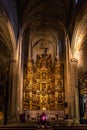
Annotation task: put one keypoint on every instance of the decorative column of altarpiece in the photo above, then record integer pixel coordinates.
(43, 84)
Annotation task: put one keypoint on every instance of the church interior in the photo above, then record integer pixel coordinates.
(44, 65)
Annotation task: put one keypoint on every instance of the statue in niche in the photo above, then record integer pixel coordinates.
(43, 87)
(38, 61)
(43, 75)
(44, 99)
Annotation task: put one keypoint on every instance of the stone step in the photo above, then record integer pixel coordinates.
(69, 128)
(35, 128)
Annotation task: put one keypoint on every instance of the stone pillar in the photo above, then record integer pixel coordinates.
(13, 89)
(77, 120)
(74, 91)
(19, 106)
(67, 79)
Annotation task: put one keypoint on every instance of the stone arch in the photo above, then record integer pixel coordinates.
(7, 58)
(10, 31)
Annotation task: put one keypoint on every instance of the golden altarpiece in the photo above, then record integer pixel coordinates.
(43, 83)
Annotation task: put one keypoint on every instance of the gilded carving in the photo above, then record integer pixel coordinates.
(44, 83)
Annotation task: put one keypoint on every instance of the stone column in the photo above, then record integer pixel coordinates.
(20, 80)
(77, 120)
(74, 91)
(13, 89)
(67, 79)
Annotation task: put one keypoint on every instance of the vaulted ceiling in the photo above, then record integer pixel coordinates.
(65, 16)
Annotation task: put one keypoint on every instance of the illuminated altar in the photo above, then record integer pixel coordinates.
(43, 83)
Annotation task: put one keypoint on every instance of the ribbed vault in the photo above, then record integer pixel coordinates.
(79, 36)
